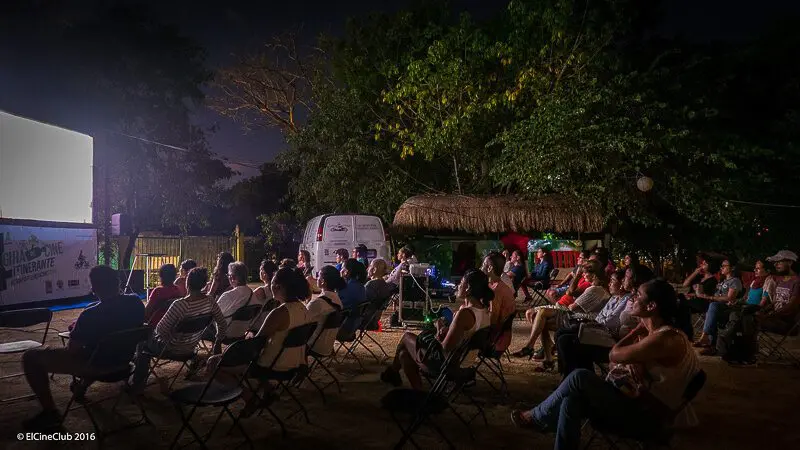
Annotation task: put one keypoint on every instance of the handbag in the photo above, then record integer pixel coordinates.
(629, 379)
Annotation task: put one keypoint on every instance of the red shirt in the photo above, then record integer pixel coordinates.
(159, 301)
(567, 300)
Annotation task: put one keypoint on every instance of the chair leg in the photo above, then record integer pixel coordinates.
(239, 426)
(297, 401)
(385, 355)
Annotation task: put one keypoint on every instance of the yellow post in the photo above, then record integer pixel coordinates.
(239, 250)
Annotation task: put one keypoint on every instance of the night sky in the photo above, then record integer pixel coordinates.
(238, 27)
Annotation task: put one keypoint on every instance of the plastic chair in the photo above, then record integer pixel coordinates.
(772, 345)
(19, 319)
(369, 312)
(214, 394)
(118, 348)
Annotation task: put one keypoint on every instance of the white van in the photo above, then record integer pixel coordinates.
(327, 233)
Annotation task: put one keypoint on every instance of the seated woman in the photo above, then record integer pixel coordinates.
(544, 318)
(186, 266)
(554, 294)
(263, 294)
(651, 368)
(219, 282)
(762, 288)
(290, 289)
(330, 281)
(162, 296)
(304, 264)
(726, 295)
(701, 281)
(540, 276)
(431, 350)
(518, 271)
(614, 318)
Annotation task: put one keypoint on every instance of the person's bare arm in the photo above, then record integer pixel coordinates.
(573, 285)
(567, 280)
(654, 347)
(688, 281)
(730, 297)
(463, 321)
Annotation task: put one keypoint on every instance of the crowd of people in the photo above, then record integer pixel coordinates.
(635, 327)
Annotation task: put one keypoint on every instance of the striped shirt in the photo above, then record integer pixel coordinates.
(180, 309)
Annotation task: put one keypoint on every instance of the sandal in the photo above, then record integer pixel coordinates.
(547, 366)
(523, 352)
(539, 354)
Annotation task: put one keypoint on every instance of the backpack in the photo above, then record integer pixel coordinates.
(738, 342)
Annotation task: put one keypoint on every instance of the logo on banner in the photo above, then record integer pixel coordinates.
(73, 283)
(32, 259)
(82, 262)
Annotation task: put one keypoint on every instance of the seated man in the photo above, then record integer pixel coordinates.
(166, 335)
(555, 293)
(781, 314)
(114, 312)
(503, 304)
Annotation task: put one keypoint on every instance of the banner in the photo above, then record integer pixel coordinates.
(40, 263)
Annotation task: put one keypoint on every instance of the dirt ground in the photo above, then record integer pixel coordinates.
(740, 408)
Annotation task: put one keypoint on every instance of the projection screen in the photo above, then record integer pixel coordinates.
(45, 172)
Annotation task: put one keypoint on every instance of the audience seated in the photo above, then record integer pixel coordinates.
(326, 302)
(290, 289)
(503, 305)
(263, 294)
(518, 271)
(404, 256)
(727, 293)
(353, 295)
(762, 288)
(186, 266)
(341, 257)
(702, 281)
(166, 336)
(377, 288)
(615, 319)
(547, 318)
(304, 264)
(236, 298)
(163, 295)
(219, 282)
(114, 312)
(781, 314)
(651, 368)
(556, 293)
(430, 348)
(540, 276)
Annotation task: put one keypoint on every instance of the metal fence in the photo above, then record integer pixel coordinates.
(174, 250)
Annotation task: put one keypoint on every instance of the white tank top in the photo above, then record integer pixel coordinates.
(291, 358)
(482, 320)
(669, 383)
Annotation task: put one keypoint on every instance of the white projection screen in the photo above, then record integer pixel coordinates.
(45, 172)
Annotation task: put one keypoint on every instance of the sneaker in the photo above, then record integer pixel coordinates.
(391, 377)
(44, 421)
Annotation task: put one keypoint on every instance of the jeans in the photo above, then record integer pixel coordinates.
(142, 368)
(573, 355)
(716, 316)
(583, 395)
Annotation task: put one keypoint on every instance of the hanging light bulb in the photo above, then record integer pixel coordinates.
(644, 183)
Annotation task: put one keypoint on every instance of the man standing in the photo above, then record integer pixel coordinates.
(780, 315)
(114, 312)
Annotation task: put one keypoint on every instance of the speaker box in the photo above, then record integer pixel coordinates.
(121, 225)
(137, 281)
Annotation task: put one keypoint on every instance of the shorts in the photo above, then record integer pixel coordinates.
(561, 290)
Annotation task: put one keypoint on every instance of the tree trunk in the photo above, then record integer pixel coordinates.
(455, 171)
(126, 258)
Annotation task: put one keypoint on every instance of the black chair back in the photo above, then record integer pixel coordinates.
(299, 335)
(554, 274)
(22, 318)
(247, 313)
(243, 352)
(695, 386)
(118, 347)
(479, 340)
(195, 324)
(333, 320)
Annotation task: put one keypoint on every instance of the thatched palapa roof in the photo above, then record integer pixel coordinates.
(478, 215)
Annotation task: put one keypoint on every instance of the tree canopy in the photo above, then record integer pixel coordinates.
(564, 97)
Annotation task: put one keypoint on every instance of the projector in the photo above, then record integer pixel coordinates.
(419, 270)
